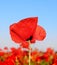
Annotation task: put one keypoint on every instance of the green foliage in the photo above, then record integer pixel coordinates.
(43, 62)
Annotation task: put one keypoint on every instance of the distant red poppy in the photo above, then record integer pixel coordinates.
(27, 29)
(5, 48)
(0, 49)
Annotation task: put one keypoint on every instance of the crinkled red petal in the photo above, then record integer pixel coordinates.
(27, 27)
(14, 35)
(22, 30)
(39, 34)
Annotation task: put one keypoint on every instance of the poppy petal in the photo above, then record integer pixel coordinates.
(14, 36)
(25, 44)
(39, 34)
(27, 27)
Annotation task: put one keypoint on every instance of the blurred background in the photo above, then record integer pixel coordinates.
(12, 11)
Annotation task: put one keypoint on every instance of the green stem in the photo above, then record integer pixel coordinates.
(29, 52)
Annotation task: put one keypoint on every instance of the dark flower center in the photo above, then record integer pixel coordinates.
(29, 38)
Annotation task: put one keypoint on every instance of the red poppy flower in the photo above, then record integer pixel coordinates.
(1, 53)
(0, 49)
(5, 48)
(27, 29)
(9, 61)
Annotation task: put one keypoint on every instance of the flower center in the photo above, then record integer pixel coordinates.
(29, 38)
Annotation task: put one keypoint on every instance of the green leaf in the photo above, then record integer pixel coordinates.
(43, 62)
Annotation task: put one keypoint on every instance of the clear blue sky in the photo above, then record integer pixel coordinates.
(14, 10)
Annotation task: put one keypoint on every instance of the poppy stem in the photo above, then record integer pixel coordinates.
(29, 52)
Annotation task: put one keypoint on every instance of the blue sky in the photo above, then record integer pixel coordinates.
(14, 10)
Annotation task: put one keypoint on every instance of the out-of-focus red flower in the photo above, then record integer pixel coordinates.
(27, 29)
(49, 54)
(0, 49)
(13, 49)
(26, 53)
(1, 53)
(9, 61)
(46, 56)
(3, 63)
(5, 48)
(18, 56)
(17, 52)
(50, 51)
